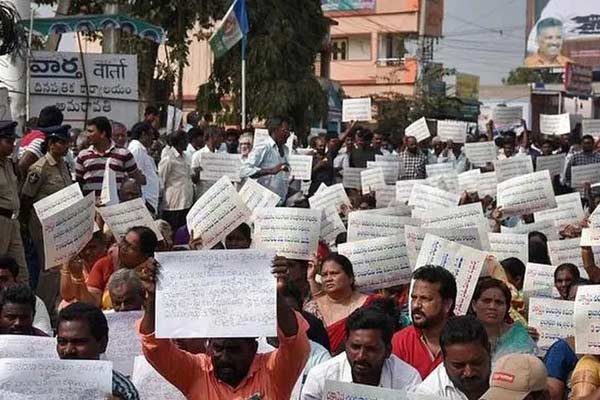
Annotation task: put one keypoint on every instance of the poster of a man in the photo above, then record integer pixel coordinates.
(549, 40)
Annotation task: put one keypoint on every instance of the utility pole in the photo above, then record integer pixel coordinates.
(110, 36)
(62, 9)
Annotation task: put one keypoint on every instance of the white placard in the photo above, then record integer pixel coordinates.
(387, 157)
(414, 238)
(404, 189)
(150, 384)
(38, 378)
(507, 245)
(568, 209)
(569, 251)
(506, 117)
(24, 346)
(555, 124)
(109, 195)
(418, 129)
(333, 195)
(372, 180)
(67, 232)
(591, 127)
(261, 137)
(452, 130)
(546, 227)
(539, 280)
(423, 196)
(464, 262)
(385, 196)
(395, 208)
(481, 153)
(487, 185)
(526, 194)
(335, 390)
(292, 232)
(582, 174)
(235, 301)
(356, 109)
(123, 342)
(555, 164)
(123, 216)
(590, 237)
(174, 118)
(468, 215)
(587, 320)
(366, 225)
(468, 181)
(331, 225)
(512, 167)
(255, 195)
(301, 166)
(217, 213)
(217, 165)
(439, 169)
(57, 78)
(378, 263)
(58, 201)
(391, 170)
(553, 319)
(351, 178)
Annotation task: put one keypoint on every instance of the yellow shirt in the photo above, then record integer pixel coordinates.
(536, 60)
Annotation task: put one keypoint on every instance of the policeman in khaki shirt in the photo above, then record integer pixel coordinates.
(10, 233)
(46, 176)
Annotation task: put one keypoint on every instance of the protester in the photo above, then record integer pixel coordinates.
(465, 372)
(82, 334)
(17, 311)
(560, 361)
(245, 145)
(131, 190)
(362, 152)
(195, 137)
(232, 137)
(433, 299)
(336, 298)
(152, 116)
(566, 279)
(90, 163)
(125, 290)
(176, 183)
(269, 164)
(142, 137)
(412, 161)
(518, 376)
(232, 368)
(515, 271)
(214, 140)
(368, 358)
(587, 156)
(119, 134)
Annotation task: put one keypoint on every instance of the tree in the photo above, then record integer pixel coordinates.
(284, 39)
(523, 76)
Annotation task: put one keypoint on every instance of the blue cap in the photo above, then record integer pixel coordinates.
(58, 131)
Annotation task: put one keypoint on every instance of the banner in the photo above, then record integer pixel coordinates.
(563, 31)
(347, 5)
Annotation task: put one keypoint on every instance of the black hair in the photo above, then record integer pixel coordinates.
(464, 329)
(513, 267)
(177, 137)
(276, 122)
(18, 294)
(378, 315)
(102, 124)
(139, 129)
(194, 133)
(244, 230)
(548, 23)
(440, 275)
(588, 137)
(9, 263)
(343, 262)
(572, 268)
(538, 250)
(212, 132)
(148, 239)
(92, 315)
(486, 283)
(50, 116)
(151, 110)
(365, 134)
(192, 118)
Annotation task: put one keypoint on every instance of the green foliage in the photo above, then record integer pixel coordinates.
(285, 37)
(522, 76)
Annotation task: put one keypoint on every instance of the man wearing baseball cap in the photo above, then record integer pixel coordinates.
(518, 377)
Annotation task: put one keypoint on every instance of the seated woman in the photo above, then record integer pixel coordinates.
(566, 279)
(490, 304)
(336, 298)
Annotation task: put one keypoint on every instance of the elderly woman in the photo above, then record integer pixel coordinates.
(490, 304)
(566, 279)
(335, 298)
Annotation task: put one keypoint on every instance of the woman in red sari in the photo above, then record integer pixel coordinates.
(335, 298)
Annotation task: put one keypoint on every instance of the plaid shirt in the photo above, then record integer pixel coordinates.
(580, 159)
(413, 165)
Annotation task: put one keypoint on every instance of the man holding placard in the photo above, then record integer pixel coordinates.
(587, 156)
(232, 368)
(412, 161)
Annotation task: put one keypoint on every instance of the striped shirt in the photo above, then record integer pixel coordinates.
(122, 387)
(90, 165)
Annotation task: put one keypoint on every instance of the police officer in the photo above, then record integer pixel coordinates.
(11, 243)
(46, 176)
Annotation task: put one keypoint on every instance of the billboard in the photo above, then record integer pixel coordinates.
(563, 32)
(347, 5)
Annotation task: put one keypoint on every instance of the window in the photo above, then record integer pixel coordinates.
(391, 49)
(339, 49)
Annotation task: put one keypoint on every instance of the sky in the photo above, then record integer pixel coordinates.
(483, 37)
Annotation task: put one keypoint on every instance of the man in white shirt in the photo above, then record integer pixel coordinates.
(268, 163)
(465, 372)
(142, 136)
(214, 139)
(368, 359)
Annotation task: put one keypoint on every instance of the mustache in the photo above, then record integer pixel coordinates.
(362, 364)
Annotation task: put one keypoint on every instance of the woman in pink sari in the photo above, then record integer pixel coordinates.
(335, 298)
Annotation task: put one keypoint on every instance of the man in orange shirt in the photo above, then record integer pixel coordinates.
(231, 370)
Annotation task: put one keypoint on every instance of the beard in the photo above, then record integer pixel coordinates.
(475, 385)
(422, 321)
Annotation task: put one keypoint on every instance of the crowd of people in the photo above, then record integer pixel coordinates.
(405, 338)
